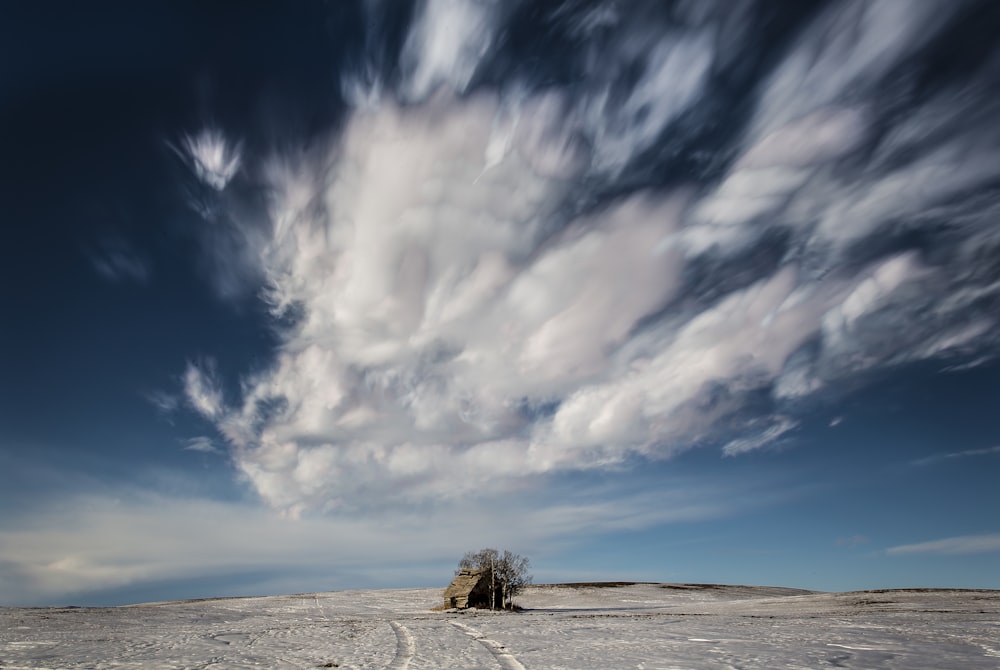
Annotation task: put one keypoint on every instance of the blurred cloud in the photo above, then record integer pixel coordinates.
(477, 287)
(165, 403)
(116, 261)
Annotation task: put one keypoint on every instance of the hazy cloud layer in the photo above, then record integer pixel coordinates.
(696, 228)
(82, 545)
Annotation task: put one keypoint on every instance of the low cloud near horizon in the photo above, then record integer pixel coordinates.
(97, 543)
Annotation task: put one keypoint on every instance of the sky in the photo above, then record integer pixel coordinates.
(318, 296)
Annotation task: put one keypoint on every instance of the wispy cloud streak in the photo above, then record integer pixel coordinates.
(201, 444)
(965, 544)
(201, 388)
(957, 455)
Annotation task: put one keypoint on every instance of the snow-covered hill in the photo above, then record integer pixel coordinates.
(570, 626)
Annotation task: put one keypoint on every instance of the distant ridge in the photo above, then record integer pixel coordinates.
(774, 590)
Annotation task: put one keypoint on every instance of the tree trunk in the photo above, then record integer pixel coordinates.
(493, 588)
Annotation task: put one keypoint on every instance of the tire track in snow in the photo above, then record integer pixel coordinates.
(404, 647)
(500, 653)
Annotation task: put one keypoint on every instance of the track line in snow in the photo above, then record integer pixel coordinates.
(404, 647)
(500, 653)
(319, 607)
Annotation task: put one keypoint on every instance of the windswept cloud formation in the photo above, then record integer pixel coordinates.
(492, 275)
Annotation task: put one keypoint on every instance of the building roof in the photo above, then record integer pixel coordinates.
(464, 583)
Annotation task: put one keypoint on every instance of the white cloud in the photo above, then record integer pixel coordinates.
(659, 402)
(906, 192)
(867, 296)
(441, 301)
(446, 44)
(436, 308)
(767, 175)
(202, 444)
(965, 544)
(674, 66)
(214, 159)
(814, 110)
(848, 49)
(775, 430)
(201, 388)
(818, 137)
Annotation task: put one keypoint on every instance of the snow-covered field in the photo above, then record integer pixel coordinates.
(634, 626)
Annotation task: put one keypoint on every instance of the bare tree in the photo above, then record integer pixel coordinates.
(507, 572)
(512, 574)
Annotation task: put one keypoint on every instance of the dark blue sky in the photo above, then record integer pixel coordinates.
(323, 296)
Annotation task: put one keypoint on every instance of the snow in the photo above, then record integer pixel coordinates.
(645, 626)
